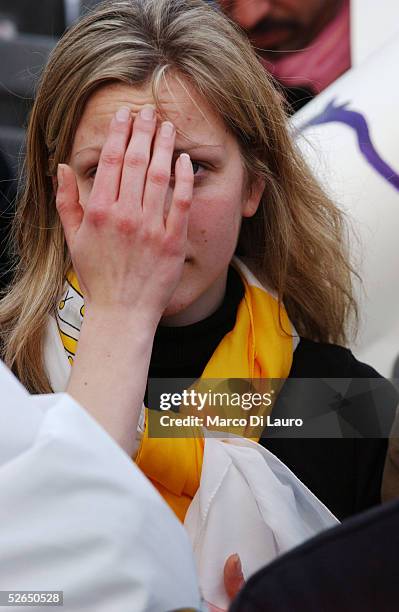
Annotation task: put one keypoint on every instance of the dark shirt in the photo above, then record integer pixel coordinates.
(345, 474)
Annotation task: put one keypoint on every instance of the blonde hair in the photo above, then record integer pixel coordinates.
(296, 237)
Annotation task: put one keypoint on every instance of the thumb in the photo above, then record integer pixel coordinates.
(233, 576)
(67, 202)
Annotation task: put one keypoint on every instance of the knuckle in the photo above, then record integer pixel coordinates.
(183, 203)
(120, 127)
(159, 177)
(145, 127)
(98, 217)
(112, 158)
(126, 225)
(151, 235)
(136, 159)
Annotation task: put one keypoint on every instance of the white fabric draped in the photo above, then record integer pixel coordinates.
(77, 515)
(248, 503)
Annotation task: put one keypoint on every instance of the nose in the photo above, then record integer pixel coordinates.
(248, 13)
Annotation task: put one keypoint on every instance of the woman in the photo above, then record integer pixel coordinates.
(148, 237)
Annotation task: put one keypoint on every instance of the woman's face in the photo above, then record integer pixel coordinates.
(219, 200)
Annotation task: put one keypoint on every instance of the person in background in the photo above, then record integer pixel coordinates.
(305, 44)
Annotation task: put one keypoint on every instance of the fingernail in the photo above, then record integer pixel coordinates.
(237, 564)
(60, 175)
(147, 113)
(167, 129)
(123, 114)
(185, 161)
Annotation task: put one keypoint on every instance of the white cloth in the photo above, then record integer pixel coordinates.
(373, 24)
(77, 515)
(248, 503)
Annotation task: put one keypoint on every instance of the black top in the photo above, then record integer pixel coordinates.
(345, 474)
(350, 568)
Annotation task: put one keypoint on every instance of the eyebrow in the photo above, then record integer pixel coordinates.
(97, 148)
(198, 146)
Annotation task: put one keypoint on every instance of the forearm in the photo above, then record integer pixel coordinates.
(110, 370)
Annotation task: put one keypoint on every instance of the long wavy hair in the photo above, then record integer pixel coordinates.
(296, 240)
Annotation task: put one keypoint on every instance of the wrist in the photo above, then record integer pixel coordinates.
(142, 324)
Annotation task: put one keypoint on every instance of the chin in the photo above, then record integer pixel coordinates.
(178, 304)
(184, 295)
(181, 309)
(193, 300)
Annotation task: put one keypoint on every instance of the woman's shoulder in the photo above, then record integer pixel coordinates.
(318, 359)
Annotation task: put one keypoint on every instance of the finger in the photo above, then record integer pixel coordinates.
(137, 158)
(106, 183)
(67, 202)
(158, 176)
(233, 576)
(177, 219)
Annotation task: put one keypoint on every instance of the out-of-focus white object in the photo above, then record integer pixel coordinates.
(77, 515)
(248, 503)
(72, 9)
(350, 137)
(372, 25)
(8, 29)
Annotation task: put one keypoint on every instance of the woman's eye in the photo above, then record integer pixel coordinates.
(196, 166)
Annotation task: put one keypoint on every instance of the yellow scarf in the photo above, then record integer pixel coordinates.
(257, 347)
